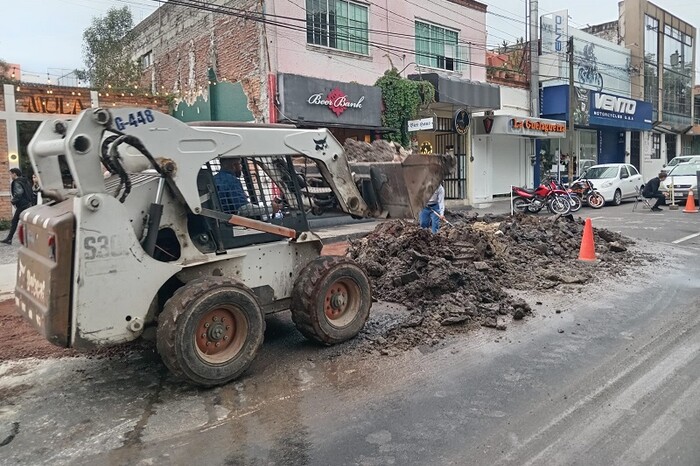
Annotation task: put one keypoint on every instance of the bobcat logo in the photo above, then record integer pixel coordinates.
(321, 143)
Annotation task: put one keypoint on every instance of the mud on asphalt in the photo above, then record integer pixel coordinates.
(464, 277)
(467, 275)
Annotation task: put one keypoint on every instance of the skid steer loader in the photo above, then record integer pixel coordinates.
(142, 232)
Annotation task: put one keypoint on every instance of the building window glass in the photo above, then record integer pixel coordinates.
(437, 47)
(338, 24)
(655, 146)
(651, 53)
(670, 146)
(146, 60)
(696, 103)
(677, 77)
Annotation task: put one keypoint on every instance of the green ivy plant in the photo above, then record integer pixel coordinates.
(403, 98)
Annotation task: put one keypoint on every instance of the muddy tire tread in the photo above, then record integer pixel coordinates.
(303, 298)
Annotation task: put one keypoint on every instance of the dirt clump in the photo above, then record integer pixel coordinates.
(377, 151)
(460, 277)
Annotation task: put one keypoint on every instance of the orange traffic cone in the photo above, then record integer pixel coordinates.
(690, 203)
(587, 251)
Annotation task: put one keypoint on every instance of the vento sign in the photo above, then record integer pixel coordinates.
(610, 103)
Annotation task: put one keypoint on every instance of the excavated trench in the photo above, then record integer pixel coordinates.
(467, 274)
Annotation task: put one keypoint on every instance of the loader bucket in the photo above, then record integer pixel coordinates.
(401, 190)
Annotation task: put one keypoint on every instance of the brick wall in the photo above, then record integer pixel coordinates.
(53, 101)
(186, 43)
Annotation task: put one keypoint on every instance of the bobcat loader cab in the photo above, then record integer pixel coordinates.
(140, 233)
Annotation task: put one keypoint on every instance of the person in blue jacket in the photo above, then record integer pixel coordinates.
(434, 211)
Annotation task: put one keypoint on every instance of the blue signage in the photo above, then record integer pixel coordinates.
(621, 112)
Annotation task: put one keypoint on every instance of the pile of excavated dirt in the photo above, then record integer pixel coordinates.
(378, 151)
(459, 278)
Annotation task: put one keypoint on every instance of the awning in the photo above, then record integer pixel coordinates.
(508, 125)
(670, 128)
(475, 96)
(319, 124)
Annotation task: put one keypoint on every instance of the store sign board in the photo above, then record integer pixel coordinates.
(321, 101)
(54, 105)
(421, 125)
(535, 126)
(613, 110)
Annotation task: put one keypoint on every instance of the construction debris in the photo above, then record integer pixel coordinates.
(463, 276)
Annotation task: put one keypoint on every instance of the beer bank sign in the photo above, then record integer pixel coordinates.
(612, 110)
(314, 101)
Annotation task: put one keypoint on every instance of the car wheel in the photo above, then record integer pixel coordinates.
(617, 198)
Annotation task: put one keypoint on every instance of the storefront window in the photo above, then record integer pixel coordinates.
(651, 53)
(587, 150)
(338, 24)
(437, 47)
(677, 78)
(655, 146)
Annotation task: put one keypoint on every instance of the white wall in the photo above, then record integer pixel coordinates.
(514, 101)
(499, 162)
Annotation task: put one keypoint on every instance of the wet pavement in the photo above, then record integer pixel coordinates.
(607, 373)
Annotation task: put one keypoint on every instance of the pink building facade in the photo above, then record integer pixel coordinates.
(391, 40)
(314, 63)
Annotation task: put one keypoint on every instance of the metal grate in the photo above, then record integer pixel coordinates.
(455, 181)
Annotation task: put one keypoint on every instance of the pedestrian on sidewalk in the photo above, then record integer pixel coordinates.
(651, 191)
(21, 192)
(36, 191)
(434, 211)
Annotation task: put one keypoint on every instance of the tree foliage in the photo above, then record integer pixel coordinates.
(107, 53)
(402, 101)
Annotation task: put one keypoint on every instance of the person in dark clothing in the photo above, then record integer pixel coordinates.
(21, 192)
(651, 191)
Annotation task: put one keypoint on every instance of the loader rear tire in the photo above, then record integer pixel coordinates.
(331, 300)
(210, 331)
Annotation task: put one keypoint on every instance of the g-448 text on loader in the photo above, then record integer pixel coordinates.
(197, 232)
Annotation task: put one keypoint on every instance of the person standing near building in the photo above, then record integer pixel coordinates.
(434, 211)
(21, 192)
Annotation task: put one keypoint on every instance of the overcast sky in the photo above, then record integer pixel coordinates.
(45, 36)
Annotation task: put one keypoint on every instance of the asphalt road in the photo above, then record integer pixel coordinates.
(612, 378)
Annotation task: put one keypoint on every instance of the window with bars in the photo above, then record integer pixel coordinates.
(655, 146)
(338, 24)
(437, 47)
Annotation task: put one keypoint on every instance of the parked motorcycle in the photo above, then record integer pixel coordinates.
(585, 190)
(534, 200)
(574, 200)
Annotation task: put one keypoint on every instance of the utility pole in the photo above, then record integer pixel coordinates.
(534, 61)
(533, 36)
(572, 105)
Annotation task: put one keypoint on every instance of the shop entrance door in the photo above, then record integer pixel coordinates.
(455, 182)
(25, 133)
(635, 149)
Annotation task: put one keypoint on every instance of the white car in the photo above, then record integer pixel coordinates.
(614, 181)
(683, 177)
(680, 159)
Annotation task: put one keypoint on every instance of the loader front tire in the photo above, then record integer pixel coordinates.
(331, 300)
(210, 331)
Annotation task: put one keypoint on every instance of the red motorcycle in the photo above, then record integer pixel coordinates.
(534, 200)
